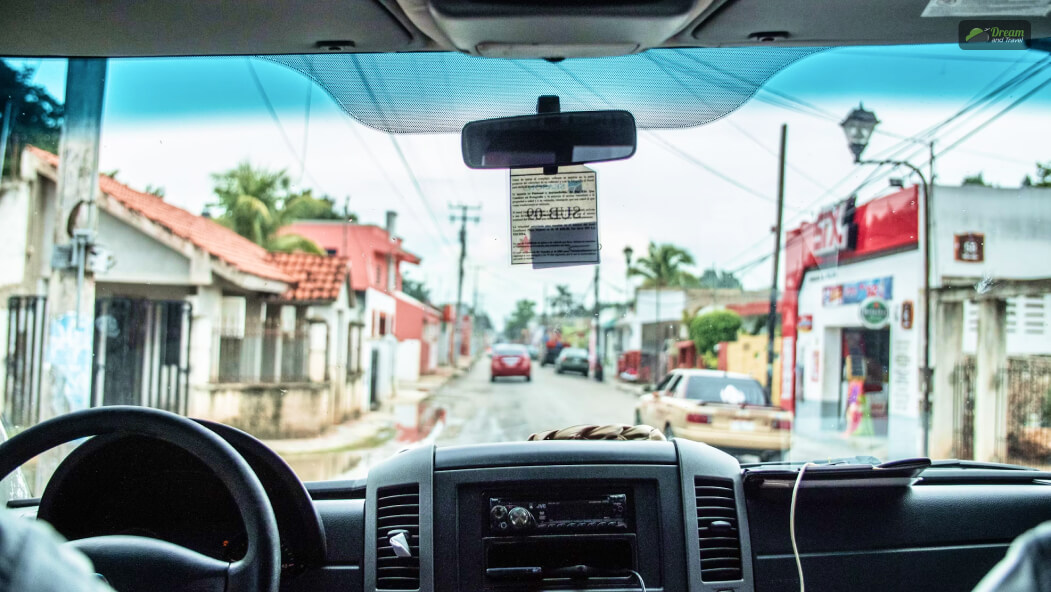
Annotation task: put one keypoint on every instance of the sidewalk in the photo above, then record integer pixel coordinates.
(405, 417)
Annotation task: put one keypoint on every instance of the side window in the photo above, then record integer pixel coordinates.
(664, 382)
(677, 378)
(680, 388)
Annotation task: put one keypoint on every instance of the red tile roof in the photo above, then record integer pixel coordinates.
(317, 277)
(365, 244)
(207, 234)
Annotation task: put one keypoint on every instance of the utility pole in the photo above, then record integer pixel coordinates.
(598, 331)
(463, 218)
(771, 319)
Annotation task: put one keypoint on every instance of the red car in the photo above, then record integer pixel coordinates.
(510, 359)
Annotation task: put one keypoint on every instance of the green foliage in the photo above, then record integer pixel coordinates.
(711, 328)
(256, 203)
(976, 180)
(713, 279)
(710, 360)
(663, 266)
(523, 314)
(1043, 175)
(416, 289)
(36, 115)
(563, 303)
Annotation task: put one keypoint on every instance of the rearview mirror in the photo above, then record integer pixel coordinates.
(548, 140)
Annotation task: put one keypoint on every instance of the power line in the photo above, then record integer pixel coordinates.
(277, 121)
(418, 187)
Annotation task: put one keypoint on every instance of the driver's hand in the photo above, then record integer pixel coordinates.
(33, 559)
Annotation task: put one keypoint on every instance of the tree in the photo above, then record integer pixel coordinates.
(711, 328)
(563, 303)
(416, 289)
(256, 203)
(663, 266)
(1043, 176)
(524, 313)
(36, 115)
(976, 180)
(713, 279)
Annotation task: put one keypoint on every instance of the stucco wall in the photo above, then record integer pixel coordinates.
(296, 410)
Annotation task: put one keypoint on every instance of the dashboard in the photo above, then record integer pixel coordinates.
(561, 515)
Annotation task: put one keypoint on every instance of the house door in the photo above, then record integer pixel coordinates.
(142, 353)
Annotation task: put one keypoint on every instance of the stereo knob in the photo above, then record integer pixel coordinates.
(520, 518)
(498, 513)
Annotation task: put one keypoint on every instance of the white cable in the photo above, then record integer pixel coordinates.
(792, 525)
(642, 584)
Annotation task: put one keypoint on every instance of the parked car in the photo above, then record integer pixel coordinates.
(534, 352)
(724, 409)
(572, 359)
(510, 359)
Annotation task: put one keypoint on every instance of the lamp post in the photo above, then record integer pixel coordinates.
(858, 127)
(628, 252)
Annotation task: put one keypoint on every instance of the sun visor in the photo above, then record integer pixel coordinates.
(520, 27)
(430, 92)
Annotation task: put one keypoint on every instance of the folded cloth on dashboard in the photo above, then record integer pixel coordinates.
(600, 432)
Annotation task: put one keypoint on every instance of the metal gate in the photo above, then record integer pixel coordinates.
(26, 321)
(142, 353)
(963, 377)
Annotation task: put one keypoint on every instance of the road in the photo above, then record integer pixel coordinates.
(478, 411)
(511, 409)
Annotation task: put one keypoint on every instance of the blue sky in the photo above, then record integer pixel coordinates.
(167, 88)
(173, 122)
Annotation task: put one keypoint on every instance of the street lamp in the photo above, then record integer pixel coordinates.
(628, 252)
(858, 127)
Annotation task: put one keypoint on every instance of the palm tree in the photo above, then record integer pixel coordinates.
(563, 301)
(662, 267)
(256, 203)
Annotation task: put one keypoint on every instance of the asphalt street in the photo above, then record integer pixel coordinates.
(510, 409)
(478, 411)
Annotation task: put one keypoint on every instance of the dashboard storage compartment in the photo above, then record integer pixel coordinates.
(560, 561)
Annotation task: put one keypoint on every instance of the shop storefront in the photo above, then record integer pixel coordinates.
(854, 277)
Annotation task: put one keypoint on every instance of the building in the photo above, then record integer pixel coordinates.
(191, 318)
(376, 257)
(853, 314)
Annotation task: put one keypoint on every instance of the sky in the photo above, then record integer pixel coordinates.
(174, 122)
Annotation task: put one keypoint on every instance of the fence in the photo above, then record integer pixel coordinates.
(963, 377)
(264, 353)
(141, 353)
(26, 319)
(1029, 411)
(1028, 388)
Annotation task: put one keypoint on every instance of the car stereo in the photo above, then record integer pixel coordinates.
(593, 513)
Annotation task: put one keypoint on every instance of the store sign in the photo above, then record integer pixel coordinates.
(874, 313)
(806, 323)
(969, 247)
(833, 230)
(906, 314)
(856, 292)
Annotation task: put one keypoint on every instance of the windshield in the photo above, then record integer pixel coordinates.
(262, 251)
(732, 391)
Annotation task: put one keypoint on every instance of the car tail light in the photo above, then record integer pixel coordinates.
(698, 418)
(781, 424)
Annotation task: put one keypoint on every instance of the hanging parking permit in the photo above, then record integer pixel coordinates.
(554, 218)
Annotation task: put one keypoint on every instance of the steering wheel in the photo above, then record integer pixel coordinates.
(142, 563)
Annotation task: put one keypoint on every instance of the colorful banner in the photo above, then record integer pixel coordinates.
(855, 292)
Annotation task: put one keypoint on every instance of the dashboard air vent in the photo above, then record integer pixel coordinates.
(720, 541)
(397, 508)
